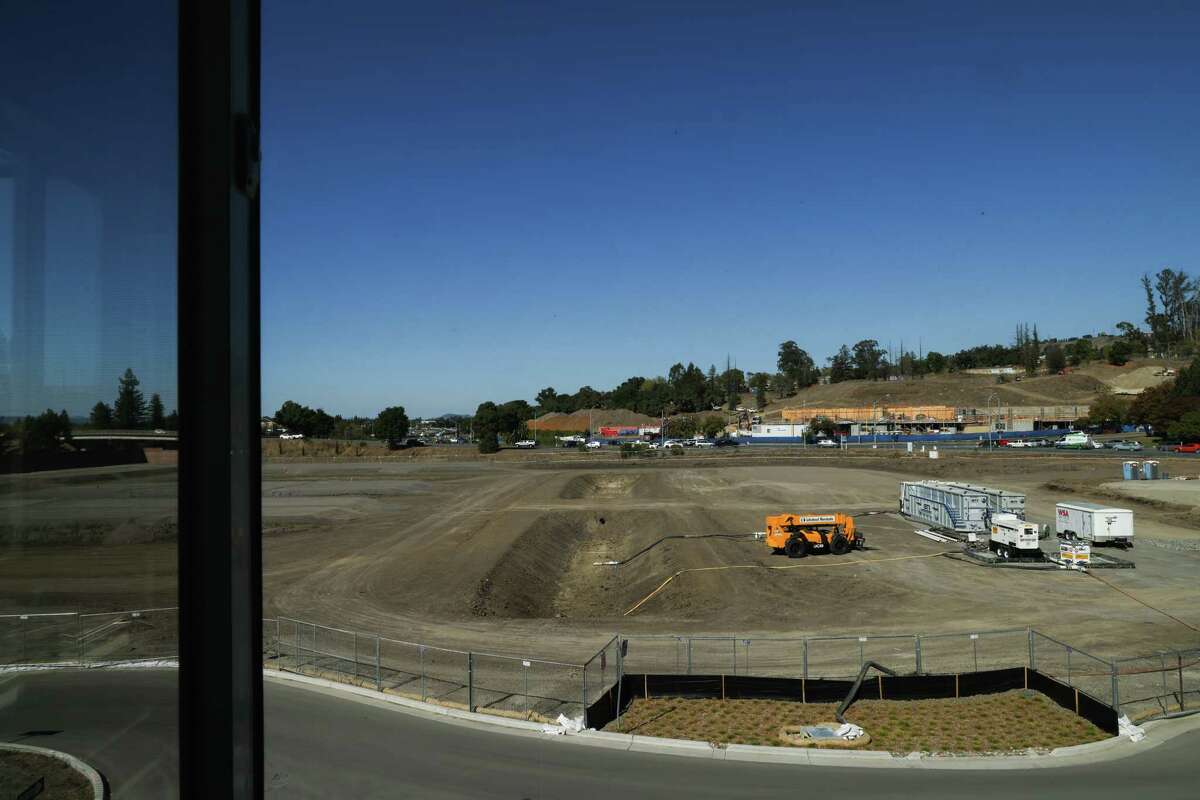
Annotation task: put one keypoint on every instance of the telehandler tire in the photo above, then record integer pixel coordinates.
(796, 547)
(839, 545)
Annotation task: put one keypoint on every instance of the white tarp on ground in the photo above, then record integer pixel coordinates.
(848, 731)
(1126, 728)
(564, 725)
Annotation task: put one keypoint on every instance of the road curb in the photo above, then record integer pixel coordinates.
(1076, 755)
(80, 766)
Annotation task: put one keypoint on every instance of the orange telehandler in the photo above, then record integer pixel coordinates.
(797, 535)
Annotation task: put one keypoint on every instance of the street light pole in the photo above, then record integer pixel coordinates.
(992, 421)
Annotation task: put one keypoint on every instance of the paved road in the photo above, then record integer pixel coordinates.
(320, 745)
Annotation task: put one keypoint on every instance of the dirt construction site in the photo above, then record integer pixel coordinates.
(505, 553)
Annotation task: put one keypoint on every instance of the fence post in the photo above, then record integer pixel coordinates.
(689, 652)
(917, 647)
(378, 676)
(734, 640)
(1069, 667)
(805, 673)
(1179, 663)
(421, 662)
(583, 693)
(620, 678)
(1032, 661)
(356, 655)
(278, 648)
(470, 681)
(1116, 688)
(747, 655)
(79, 635)
(297, 624)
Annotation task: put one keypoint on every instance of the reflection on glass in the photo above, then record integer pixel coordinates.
(88, 387)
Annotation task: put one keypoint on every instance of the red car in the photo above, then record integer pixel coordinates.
(1183, 448)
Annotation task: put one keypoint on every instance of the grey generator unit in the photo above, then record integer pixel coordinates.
(959, 507)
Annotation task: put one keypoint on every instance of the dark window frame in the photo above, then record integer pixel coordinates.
(220, 522)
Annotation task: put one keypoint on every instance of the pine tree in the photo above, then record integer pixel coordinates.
(130, 408)
(158, 419)
(101, 417)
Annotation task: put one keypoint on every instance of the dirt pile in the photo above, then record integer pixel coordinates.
(597, 417)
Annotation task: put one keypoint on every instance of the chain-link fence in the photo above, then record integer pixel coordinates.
(512, 685)
(826, 656)
(1160, 683)
(501, 684)
(85, 639)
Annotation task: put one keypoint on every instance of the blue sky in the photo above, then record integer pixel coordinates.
(470, 201)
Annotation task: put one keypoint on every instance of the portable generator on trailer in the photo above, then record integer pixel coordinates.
(1013, 538)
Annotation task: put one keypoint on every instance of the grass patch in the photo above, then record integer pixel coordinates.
(999, 723)
(19, 769)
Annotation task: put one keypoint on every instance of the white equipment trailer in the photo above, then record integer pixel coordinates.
(1094, 523)
(1013, 537)
(960, 507)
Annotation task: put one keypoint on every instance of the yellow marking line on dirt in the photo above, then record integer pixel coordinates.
(809, 565)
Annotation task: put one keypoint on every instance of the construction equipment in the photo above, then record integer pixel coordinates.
(797, 535)
(1013, 537)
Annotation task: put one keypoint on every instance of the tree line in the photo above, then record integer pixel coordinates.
(391, 425)
(131, 411)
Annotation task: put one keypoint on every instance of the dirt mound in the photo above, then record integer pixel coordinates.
(600, 484)
(524, 583)
(958, 390)
(597, 417)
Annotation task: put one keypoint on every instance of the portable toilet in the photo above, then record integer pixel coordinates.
(1131, 470)
(1150, 470)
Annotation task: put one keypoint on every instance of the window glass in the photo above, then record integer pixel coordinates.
(88, 165)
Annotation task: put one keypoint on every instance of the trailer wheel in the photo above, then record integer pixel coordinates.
(796, 547)
(839, 545)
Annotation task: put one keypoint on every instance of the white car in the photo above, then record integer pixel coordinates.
(826, 443)
(526, 444)
(704, 443)
(1020, 443)
(594, 445)
(673, 443)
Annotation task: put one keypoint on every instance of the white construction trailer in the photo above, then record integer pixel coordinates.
(1094, 523)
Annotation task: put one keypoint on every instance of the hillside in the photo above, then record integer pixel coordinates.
(1079, 387)
(578, 421)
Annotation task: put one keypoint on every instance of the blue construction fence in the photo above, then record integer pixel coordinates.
(887, 438)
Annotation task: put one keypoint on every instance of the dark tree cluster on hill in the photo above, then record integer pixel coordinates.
(131, 411)
(685, 389)
(1172, 311)
(45, 433)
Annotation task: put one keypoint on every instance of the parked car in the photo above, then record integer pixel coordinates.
(1194, 447)
(727, 441)
(414, 442)
(594, 445)
(704, 443)
(826, 443)
(1020, 443)
(526, 444)
(1124, 445)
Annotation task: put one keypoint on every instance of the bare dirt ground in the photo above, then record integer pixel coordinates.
(498, 554)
